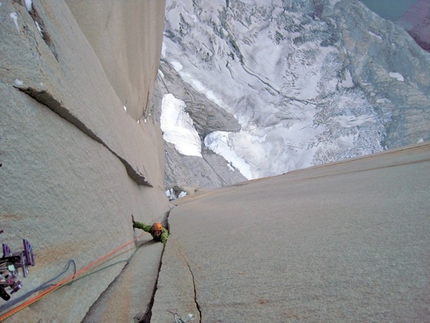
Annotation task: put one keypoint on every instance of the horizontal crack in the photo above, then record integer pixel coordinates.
(56, 106)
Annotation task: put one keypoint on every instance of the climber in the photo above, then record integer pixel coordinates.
(158, 232)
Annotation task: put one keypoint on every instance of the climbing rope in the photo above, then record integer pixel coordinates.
(66, 280)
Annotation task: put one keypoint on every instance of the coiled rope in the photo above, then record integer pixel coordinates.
(66, 280)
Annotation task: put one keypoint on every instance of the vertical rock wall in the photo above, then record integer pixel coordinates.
(126, 36)
(74, 163)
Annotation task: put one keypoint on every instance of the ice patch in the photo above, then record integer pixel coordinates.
(178, 128)
(375, 35)
(220, 143)
(177, 66)
(29, 5)
(230, 167)
(347, 82)
(38, 27)
(171, 194)
(163, 50)
(199, 87)
(399, 77)
(14, 17)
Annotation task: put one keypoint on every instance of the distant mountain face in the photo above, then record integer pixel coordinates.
(308, 82)
(389, 9)
(412, 15)
(416, 22)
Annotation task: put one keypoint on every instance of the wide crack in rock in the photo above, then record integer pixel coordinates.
(146, 318)
(175, 294)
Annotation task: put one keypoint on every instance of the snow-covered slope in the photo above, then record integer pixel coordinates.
(309, 81)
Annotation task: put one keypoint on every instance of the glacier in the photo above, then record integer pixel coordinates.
(177, 127)
(309, 82)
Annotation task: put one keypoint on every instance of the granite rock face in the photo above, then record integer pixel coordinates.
(127, 48)
(80, 149)
(342, 242)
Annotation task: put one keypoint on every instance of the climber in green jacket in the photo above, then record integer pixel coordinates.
(157, 231)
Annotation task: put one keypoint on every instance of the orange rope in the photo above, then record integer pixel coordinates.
(64, 281)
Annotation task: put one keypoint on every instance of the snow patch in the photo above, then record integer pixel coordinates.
(29, 5)
(38, 27)
(177, 66)
(220, 143)
(347, 82)
(14, 17)
(375, 35)
(172, 195)
(178, 128)
(399, 77)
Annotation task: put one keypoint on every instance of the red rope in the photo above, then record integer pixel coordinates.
(64, 281)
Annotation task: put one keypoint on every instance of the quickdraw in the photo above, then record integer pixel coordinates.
(10, 262)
